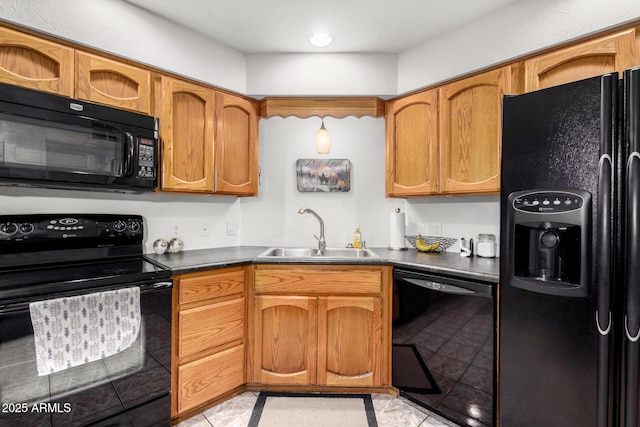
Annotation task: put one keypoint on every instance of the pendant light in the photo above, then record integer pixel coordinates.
(323, 140)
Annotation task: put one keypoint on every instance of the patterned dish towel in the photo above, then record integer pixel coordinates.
(76, 330)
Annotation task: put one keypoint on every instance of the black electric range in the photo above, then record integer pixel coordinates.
(52, 256)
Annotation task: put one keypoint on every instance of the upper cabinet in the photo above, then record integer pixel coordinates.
(186, 113)
(236, 169)
(209, 139)
(39, 64)
(470, 123)
(35, 63)
(112, 83)
(412, 145)
(447, 140)
(615, 52)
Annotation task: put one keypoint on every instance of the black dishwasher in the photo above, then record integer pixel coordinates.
(444, 345)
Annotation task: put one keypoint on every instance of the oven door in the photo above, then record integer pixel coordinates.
(443, 345)
(131, 387)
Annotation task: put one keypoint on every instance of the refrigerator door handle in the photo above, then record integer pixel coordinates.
(603, 331)
(626, 329)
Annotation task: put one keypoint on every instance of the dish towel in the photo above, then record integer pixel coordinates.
(72, 331)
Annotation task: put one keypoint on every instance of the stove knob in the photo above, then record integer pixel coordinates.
(8, 228)
(133, 226)
(119, 226)
(26, 228)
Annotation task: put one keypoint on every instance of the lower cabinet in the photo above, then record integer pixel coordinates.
(321, 326)
(350, 337)
(209, 337)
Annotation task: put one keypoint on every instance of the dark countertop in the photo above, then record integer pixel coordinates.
(446, 263)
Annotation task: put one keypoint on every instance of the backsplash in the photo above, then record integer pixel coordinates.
(457, 217)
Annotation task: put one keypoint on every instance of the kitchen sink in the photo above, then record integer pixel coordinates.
(329, 253)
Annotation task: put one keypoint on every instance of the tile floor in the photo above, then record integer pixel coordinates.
(390, 412)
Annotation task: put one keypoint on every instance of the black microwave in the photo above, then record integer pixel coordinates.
(53, 141)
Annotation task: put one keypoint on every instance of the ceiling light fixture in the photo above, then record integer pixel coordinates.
(321, 39)
(323, 140)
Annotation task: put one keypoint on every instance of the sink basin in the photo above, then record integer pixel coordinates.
(329, 253)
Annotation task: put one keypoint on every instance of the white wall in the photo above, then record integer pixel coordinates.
(117, 27)
(520, 28)
(459, 216)
(272, 218)
(161, 211)
(322, 74)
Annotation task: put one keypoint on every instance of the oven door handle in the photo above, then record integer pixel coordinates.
(440, 287)
(17, 307)
(155, 286)
(8, 309)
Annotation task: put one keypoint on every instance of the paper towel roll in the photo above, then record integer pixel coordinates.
(397, 241)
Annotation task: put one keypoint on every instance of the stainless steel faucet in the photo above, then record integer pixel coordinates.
(322, 245)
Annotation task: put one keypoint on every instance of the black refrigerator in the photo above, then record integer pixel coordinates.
(569, 296)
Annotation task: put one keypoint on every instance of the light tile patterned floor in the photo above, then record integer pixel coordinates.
(390, 412)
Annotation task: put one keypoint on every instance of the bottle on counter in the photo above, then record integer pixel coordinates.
(357, 238)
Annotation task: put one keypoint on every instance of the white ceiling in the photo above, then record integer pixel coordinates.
(284, 26)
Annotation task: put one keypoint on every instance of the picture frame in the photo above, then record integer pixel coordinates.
(323, 175)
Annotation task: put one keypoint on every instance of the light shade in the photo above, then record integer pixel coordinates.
(323, 140)
(321, 39)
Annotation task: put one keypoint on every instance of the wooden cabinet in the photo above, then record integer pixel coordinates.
(321, 326)
(186, 113)
(350, 341)
(236, 165)
(112, 83)
(412, 145)
(209, 337)
(615, 52)
(447, 140)
(285, 339)
(470, 124)
(209, 139)
(35, 63)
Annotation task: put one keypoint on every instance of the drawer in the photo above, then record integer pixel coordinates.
(208, 378)
(345, 281)
(209, 326)
(200, 286)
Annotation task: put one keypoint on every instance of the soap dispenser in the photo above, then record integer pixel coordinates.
(357, 238)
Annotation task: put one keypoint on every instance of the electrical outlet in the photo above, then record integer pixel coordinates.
(232, 226)
(204, 230)
(433, 229)
(176, 229)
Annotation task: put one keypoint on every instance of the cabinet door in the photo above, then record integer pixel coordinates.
(470, 123)
(350, 341)
(35, 64)
(236, 145)
(186, 113)
(412, 145)
(112, 83)
(616, 52)
(285, 340)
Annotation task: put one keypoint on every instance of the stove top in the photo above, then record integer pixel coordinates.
(42, 255)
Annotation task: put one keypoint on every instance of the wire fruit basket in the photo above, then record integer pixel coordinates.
(445, 242)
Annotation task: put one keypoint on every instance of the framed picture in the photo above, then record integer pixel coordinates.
(320, 175)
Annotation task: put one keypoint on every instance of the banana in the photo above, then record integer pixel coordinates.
(422, 246)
